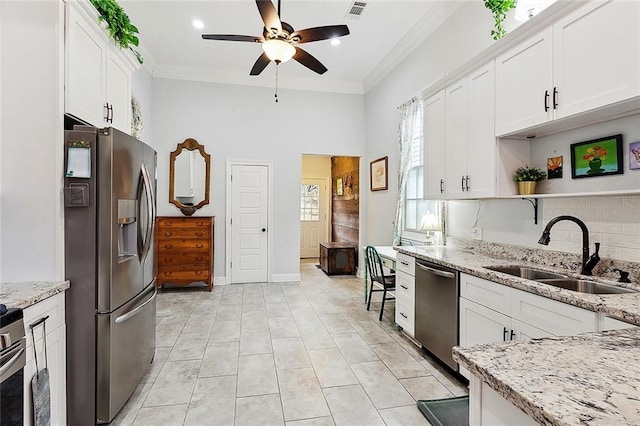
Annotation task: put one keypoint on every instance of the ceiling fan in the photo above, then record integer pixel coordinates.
(279, 39)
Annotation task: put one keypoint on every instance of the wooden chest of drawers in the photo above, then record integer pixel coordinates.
(184, 250)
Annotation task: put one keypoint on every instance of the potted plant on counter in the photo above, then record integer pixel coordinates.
(527, 178)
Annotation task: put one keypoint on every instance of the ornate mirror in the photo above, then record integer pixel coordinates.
(189, 177)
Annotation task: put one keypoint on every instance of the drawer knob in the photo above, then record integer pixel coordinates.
(168, 246)
(199, 245)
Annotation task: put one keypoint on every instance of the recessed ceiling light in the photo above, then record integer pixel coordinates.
(197, 24)
(335, 41)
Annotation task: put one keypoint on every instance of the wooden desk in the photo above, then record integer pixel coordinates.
(388, 257)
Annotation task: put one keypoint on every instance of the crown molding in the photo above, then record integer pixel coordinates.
(206, 75)
(432, 19)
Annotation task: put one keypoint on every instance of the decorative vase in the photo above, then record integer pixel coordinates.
(594, 166)
(527, 188)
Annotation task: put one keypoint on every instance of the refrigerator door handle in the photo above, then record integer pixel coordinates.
(124, 317)
(148, 233)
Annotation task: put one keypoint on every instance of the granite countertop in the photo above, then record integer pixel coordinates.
(588, 379)
(625, 307)
(23, 295)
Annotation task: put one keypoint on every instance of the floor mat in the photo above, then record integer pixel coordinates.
(446, 412)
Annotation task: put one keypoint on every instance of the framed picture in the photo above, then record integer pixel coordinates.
(599, 157)
(634, 155)
(339, 186)
(554, 167)
(379, 178)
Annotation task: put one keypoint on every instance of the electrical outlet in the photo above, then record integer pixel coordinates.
(476, 233)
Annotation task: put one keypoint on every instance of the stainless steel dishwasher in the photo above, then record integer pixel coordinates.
(436, 312)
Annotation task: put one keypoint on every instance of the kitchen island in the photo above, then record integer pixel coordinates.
(585, 379)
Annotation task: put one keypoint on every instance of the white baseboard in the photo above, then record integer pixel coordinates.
(220, 280)
(284, 278)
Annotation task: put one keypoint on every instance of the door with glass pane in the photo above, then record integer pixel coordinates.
(313, 216)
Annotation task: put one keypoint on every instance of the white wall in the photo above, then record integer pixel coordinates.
(244, 123)
(142, 89)
(465, 34)
(31, 135)
(614, 221)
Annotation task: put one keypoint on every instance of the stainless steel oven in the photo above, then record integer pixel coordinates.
(12, 361)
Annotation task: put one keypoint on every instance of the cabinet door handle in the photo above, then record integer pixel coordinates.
(405, 317)
(466, 183)
(109, 113)
(546, 100)
(512, 336)
(462, 183)
(404, 286)
(504, 334)
(441, 186)
(555, 97)
(106, 112)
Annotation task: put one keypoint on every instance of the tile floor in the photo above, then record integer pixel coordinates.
(304, 353)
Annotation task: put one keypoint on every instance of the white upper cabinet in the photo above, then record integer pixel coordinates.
(524, 85)
(85, 79)
(434, 143)
(119, 93)
(596, 56)
(470, 136)
(97, 75)
(481, 139)
(456, 131)
(586, 60)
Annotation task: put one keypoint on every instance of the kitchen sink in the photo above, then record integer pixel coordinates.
(526, 272)
(583, 286)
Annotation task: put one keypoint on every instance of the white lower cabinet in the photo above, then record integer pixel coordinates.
(52, 307)
(405, 302)
(488, 408)
(492, 312)
(405, 293)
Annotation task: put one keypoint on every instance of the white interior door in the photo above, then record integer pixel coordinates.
(313, 216)
(249, 222)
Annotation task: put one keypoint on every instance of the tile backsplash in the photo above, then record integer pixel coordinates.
(613, 221)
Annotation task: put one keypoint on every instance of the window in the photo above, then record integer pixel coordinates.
(415, 206)
(310, 203)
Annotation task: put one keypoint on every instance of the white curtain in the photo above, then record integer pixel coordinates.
(410, 115)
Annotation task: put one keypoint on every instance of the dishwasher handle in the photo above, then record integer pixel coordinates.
(440, 273)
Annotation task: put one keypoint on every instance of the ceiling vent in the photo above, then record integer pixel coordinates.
(356, 10)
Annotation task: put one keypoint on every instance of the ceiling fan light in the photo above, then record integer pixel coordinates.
(278, 50)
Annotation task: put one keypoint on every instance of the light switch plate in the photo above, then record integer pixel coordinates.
(476, 233)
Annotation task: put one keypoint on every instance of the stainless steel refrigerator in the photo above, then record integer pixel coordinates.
(109, 215)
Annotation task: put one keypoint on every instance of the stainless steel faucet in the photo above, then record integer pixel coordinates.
(588, 263)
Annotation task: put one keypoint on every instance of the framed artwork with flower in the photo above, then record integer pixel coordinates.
(598, 157)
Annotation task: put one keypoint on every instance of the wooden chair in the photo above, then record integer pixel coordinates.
(377, 278)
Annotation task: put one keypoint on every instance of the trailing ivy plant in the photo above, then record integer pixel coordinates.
(499, 10)
(120, 27)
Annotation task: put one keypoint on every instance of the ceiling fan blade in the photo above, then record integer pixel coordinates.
(260, 64)
(269, 15)
(309, 61)
(232, 37)
(320, 33)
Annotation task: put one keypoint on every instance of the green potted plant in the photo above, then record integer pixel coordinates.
(527, 178)
(499, 10)
(118, 24)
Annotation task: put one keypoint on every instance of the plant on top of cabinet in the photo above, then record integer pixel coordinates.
(120, 27)
(499, 10)
(527, 177)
